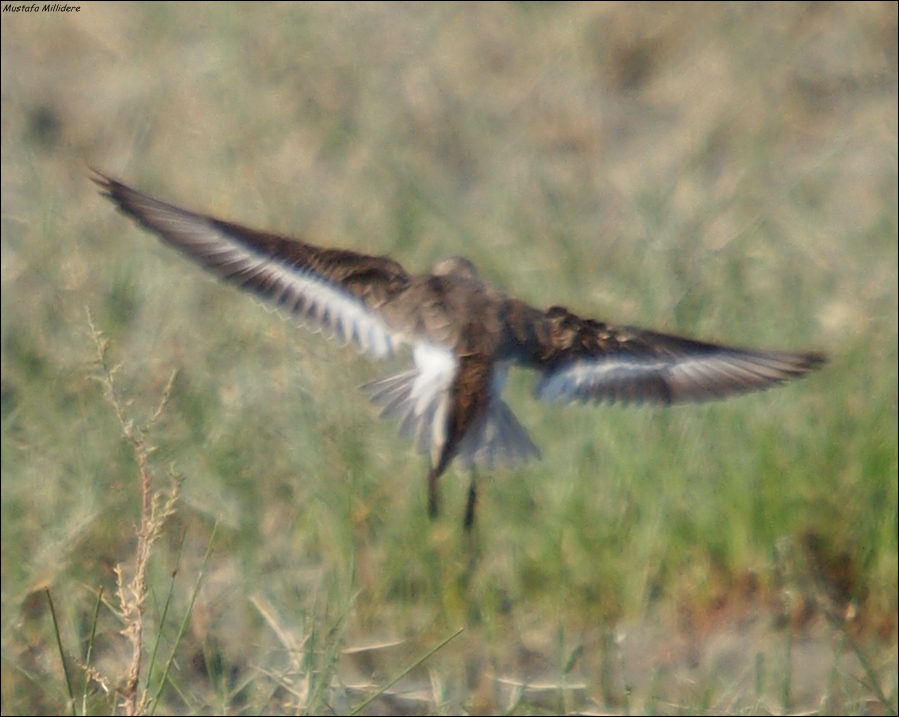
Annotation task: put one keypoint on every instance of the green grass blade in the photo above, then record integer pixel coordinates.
(62, 656)
(405, 672)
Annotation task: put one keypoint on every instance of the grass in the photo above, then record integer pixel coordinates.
(729, 173)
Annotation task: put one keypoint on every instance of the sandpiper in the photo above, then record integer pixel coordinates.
(464, 334)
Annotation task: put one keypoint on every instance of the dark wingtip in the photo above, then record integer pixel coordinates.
(110, 188)
(814, 360)
(126, 199)
(101, 179)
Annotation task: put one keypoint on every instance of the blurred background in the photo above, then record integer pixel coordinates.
(725, 171)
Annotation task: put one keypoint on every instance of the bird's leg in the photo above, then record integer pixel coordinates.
(472, 548)
(472, 503)
(433, 497)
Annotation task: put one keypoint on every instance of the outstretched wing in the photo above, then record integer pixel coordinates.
(335, 290)
(589, 361)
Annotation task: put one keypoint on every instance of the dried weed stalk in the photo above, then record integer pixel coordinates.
(156, 507)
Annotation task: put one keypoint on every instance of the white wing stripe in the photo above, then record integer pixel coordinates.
(304, 295)
(563, 384)
(677, 379)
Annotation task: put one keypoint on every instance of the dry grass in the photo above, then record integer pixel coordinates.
(727, 170)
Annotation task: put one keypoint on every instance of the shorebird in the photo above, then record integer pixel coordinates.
(463, 333)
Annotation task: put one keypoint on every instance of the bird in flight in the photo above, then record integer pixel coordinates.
(463, 333)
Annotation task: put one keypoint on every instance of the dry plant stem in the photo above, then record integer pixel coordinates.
(133, 604)
(153, 516)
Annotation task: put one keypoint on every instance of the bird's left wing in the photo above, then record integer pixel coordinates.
(336, 290)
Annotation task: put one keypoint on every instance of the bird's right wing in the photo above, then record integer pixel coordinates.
(590, 361)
